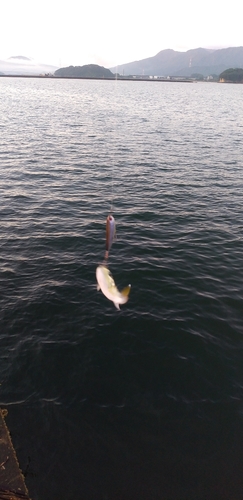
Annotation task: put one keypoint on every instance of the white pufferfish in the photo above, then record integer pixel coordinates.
(107, 285)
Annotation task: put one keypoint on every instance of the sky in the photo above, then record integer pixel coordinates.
(109, 32)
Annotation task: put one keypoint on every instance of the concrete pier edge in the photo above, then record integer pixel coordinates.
(12, 483)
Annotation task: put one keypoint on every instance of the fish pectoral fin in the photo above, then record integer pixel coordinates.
(117, 305)
(98, 288)
(125, 292)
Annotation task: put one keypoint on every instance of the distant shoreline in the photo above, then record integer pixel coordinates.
(131, 79)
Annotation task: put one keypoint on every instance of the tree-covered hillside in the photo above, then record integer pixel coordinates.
(87, 71)
(234, 75)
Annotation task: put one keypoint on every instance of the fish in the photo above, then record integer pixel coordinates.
(110, 234)
(106, 284)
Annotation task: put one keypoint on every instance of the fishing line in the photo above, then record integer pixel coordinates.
(112, 167)
(110, 221)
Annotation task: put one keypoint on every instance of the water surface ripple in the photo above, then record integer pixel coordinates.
(145, 403)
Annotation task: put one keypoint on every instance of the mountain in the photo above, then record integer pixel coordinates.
(21, 65)
(173, 63)
(86, 71)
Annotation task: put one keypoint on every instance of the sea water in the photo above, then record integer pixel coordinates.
(145, 403)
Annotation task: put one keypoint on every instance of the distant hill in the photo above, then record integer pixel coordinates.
(173, 63)
(86, 71)
(233, 75)
(21, 65)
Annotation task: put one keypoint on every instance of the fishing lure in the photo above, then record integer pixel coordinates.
(110, 234)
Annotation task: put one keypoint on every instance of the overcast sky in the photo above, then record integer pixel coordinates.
(108, 32)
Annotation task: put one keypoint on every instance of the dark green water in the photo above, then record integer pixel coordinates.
(145, 403)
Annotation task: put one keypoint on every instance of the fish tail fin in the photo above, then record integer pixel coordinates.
(125, 292)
